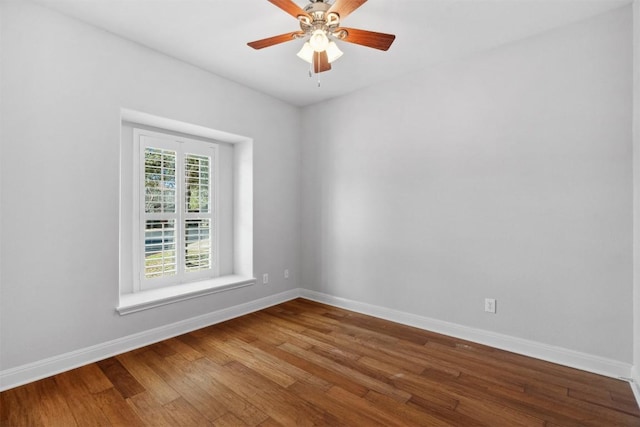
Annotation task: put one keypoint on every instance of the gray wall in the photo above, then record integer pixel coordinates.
(507, 175)
(63, 84)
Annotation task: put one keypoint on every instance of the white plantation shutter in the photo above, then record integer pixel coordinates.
(176, 238)
(159, 212)
(198, 216)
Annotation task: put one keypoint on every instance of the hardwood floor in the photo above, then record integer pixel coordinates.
(303, 363)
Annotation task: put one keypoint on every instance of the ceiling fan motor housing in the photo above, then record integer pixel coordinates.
(318, 18)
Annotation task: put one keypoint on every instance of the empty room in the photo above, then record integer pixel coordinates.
(320, 212)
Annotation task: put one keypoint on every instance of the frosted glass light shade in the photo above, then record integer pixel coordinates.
(306, 53)
(318, 40)
(333, 52)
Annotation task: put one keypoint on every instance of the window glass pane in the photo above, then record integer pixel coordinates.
(159, 248)
(197, 173)
(198, 244)
(159, 180)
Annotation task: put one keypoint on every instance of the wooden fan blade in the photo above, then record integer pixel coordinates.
(290, 7)
(345, 7)
(372, 39)
(321, 62)
(259, 44)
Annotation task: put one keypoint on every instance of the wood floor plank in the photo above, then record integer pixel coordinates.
(604, 399)
(405, 411)
(229, 420)
(54, 406)
(16, 409)
(185, 350)
(405, 333)
(368, 382)
(209, 406)
(625, 399)
(366, 406)
(270, 422)
(184, 414)
(203, 345)
(339, 409)
(224, 396)
(305, 363)
(551, 409)
(82, 404)
(283, 406)
(229, 329)
(116, 409)
(520, 373)
(40, 403)
(148, 378)
(149, 410)
(589, 413)
(121, 379)
(318, 371)
(492, 397)
(254, 356)
(388, 355)
(93, 377)
(260, 362)
(495, 414)
(210, 398)
(271, 332)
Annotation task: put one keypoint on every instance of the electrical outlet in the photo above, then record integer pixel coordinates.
(265, 278)
(286, 274)
(490, 305)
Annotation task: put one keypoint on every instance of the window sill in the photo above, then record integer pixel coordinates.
(144, 300)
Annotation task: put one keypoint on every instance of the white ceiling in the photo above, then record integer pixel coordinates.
(212, 34)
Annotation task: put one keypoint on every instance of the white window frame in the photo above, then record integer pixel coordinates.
(182, 146)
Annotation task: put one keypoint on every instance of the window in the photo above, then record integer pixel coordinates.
(186, 212)
(174, 231)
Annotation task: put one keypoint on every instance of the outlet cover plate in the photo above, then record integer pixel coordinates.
(490, 305)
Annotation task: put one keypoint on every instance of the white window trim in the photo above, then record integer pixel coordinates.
(243, 275)
(182, 146)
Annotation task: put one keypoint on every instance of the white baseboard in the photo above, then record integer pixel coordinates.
(635, 382)
(554, 354)
(24, 374)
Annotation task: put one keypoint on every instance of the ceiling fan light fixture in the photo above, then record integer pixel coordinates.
(333, 52)
(318, 40)
(306, 53)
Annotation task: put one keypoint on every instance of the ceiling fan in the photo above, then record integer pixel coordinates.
(320, 25)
